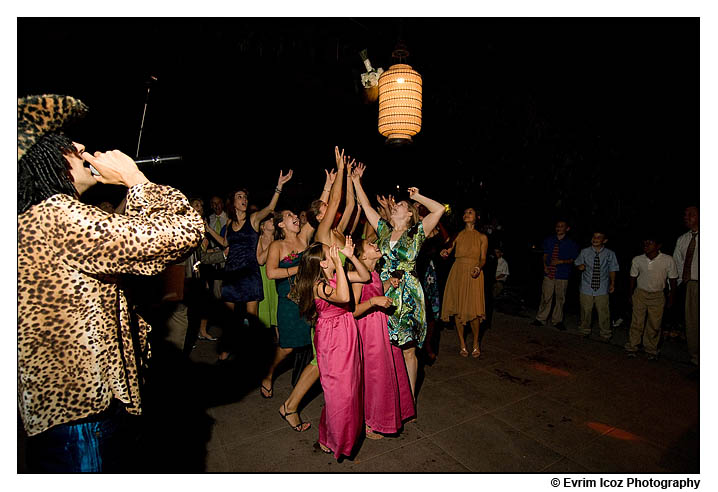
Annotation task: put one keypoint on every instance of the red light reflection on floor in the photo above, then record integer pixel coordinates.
(550, 369)
(616, 433)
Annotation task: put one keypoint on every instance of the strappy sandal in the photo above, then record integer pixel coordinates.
(297, 428)
(321, 447)
(370, 434)
(476, 353)
(464, 352)
(270, 391)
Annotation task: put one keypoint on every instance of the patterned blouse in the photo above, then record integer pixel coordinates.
(75, 349)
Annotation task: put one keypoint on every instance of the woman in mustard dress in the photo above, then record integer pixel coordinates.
(464, 291)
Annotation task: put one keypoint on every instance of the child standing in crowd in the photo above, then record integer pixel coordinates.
(387, 394)
(324, 297)
(649, 273)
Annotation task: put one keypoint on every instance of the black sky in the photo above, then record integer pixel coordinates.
(528, 119)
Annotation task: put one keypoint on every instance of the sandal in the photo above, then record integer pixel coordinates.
(269, 391)
(464, 352)
(300, 426)
(370, 434)
(476, 353)
(322, 448)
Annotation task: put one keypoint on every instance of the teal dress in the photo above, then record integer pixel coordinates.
(293, 330)
(407, 322)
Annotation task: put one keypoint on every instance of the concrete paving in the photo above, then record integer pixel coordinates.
(538, 400)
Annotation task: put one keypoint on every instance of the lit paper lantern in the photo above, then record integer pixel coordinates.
(399, 103)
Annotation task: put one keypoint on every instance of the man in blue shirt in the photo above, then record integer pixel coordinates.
(599, 267)
(558, 255)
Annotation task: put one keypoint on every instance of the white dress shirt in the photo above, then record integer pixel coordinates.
(679, 255)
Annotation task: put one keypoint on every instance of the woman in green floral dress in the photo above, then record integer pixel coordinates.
(400, 239)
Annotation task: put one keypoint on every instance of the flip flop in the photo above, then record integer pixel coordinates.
(270, 392)
(464, 353)
(476, 353)
(297, 428)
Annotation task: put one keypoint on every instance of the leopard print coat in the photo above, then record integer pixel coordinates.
(75, 350)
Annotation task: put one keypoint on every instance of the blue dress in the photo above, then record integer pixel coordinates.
(243, 280)
(294, 331)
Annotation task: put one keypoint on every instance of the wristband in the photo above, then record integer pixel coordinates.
(277, 190)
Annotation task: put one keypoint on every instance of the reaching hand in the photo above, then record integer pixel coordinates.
(334, 255)
(331, 176)
(382, 201)
(412, 192)
(358, 171)
(340, 158)
(350, 166)
(348, 249)
(284, 178)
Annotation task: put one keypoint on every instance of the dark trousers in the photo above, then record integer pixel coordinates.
(98, 443)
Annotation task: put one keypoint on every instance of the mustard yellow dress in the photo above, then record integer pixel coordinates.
(463, 294)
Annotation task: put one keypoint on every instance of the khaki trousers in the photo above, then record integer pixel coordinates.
(604, 315)
(692, 322)
(646, 305)
(556, 289)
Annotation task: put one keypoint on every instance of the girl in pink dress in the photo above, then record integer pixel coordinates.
(387, 393)
(324, 297)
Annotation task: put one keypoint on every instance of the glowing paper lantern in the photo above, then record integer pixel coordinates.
(399, 103)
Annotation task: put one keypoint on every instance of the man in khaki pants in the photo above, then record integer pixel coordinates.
(686, 257)
(649, 273)
(598, 265)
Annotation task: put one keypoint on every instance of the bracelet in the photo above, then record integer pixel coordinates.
(277, 190)
(327, 189)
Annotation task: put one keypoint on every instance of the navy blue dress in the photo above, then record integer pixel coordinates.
(243, 280)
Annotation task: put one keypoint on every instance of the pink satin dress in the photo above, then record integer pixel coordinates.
(338, 357)
(387, 394)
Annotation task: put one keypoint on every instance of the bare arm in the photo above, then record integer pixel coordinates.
(262, 252)
(322, 234)
(361, 274)
(371, 215)
(221, 240)
(436, 209)
(349, 207)
(612, 282)
(356, 220)
(483, 247)
(370, 304)
(341, 294)
(257, 216)
(273, 269)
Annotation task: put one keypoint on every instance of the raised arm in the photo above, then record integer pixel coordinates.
(436, 209)
(371, 215)
(257, 216)
(262, 253)
(349, 207)
(341, 294)
(328, 182)
(361, 274)
(357, 216)
(322, 234)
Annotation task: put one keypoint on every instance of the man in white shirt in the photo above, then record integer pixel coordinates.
(686, 257)
(648, 276)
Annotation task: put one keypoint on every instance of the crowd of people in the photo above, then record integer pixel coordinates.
(353, 297)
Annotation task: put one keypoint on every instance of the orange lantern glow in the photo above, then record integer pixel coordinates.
(399, 103)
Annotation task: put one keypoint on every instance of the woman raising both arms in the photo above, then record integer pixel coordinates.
(400, 240)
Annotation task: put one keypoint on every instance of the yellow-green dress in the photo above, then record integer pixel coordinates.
(268, 306)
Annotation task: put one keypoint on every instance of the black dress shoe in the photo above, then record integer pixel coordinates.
(560, 326)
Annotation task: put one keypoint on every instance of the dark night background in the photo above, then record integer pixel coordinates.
(593, 119)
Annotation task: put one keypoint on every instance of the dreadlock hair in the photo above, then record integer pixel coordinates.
(43, 171)
(309, 273)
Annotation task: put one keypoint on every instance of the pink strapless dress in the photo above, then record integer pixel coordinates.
(387, 394)
(339, 360)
